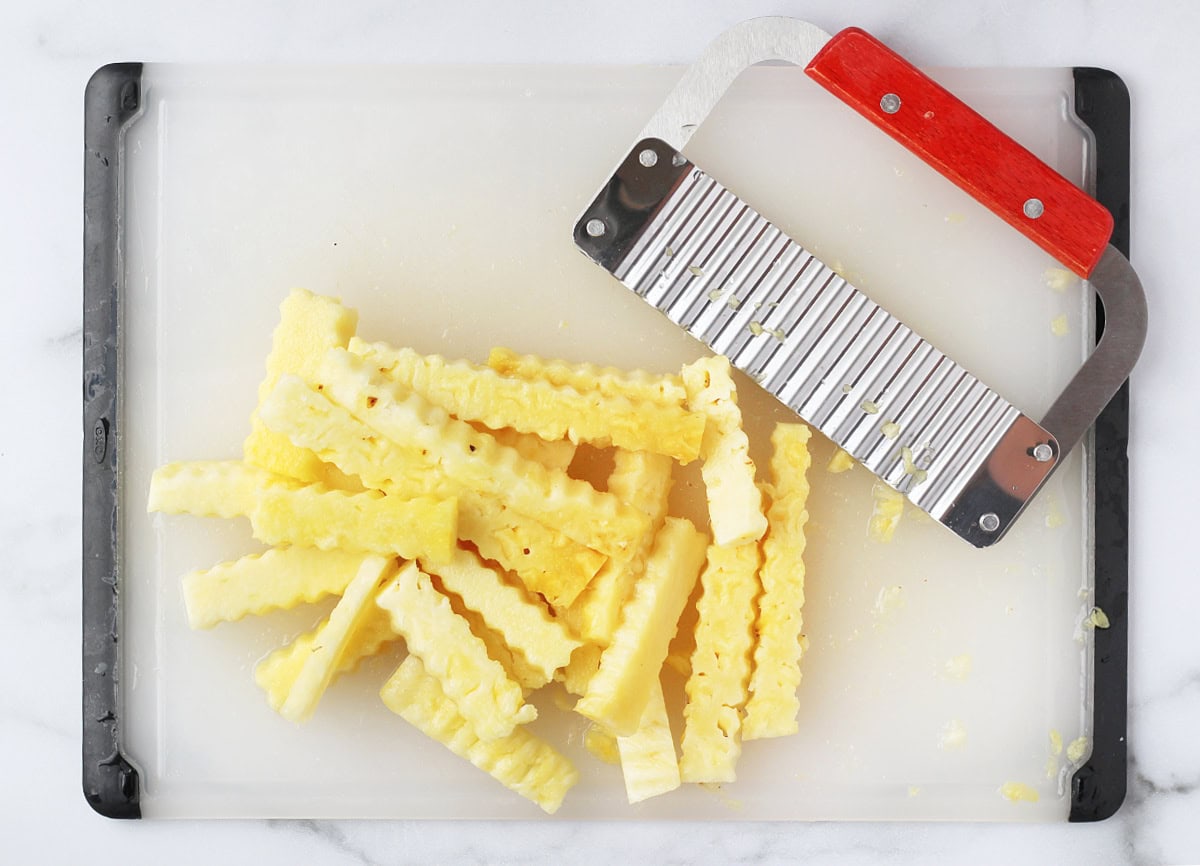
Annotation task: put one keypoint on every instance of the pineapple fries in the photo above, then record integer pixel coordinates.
(433, 499)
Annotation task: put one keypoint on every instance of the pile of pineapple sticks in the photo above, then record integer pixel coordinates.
(433, 498)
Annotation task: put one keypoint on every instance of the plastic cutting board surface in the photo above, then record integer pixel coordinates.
(440, 202)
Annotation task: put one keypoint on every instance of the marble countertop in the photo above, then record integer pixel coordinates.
(47, 52)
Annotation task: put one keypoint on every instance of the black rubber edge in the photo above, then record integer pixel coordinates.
(1098, 787)
(111, 101)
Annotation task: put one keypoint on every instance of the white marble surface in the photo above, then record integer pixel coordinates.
(47, 51)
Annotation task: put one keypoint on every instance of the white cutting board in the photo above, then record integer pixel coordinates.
(440, 203)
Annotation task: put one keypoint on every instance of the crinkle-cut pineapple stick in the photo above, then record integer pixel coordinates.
(720, 665)
(278, 579)
(519, 761)
(556, 454)
(546, 561)
(478, 685)
(308, 325)
(734, 500)
(594, 519)
(369, 522)
(519, 670)
(620, 690)
(610, 381)
(773, 706)
(276, 673)
(474, 393)
(525, 624)
(212, 488)
(642, 480)
(329, 647)
(648, 760)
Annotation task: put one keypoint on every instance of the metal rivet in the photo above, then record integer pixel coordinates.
(890, 103)
(989, 522)
(1042, 453)
(595, 228)
(648, 157)
(1034, 208)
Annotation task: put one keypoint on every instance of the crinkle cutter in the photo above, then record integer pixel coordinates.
(674, 235)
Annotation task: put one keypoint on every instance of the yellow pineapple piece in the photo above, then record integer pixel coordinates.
(610, 381)
(720, 665)
(525, 624)
(281, 578)
(212, 488)
(584, 663)
(840, 461)
(308, 325)
(642, 480)
(648, 760)
(278, 671)
(602, 745)
(331, 641)
(368, 522)
(518, 669)
(557, 454)
(886, 513)
(619, 692)
(543, 560)
(734, 500)
(478, 685)
(537, 406)
(773, 705)
(576, 509)
(519, 760)
(546, 561)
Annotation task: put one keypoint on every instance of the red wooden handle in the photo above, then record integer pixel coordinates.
(957, 141)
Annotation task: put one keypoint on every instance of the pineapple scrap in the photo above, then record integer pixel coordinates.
(643, 480)
(522, 672)
(519, 760)
(583, 666)
(281, 578)
(332, 639)
(369, 522)
(594, 519)
(840, 461)
(537, 406)
(1018, 792)
(885, 515)
(546, 561)
(478, 685)
(308, 325)
(609, 381)
(734, 500)
(773, 706)
(276, 673)
(602, 745)
(212, 488)
(619, 692)
(525, 624)
(648, 759)
(720, 665)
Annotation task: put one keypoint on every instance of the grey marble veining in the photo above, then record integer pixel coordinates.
(46, 53)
